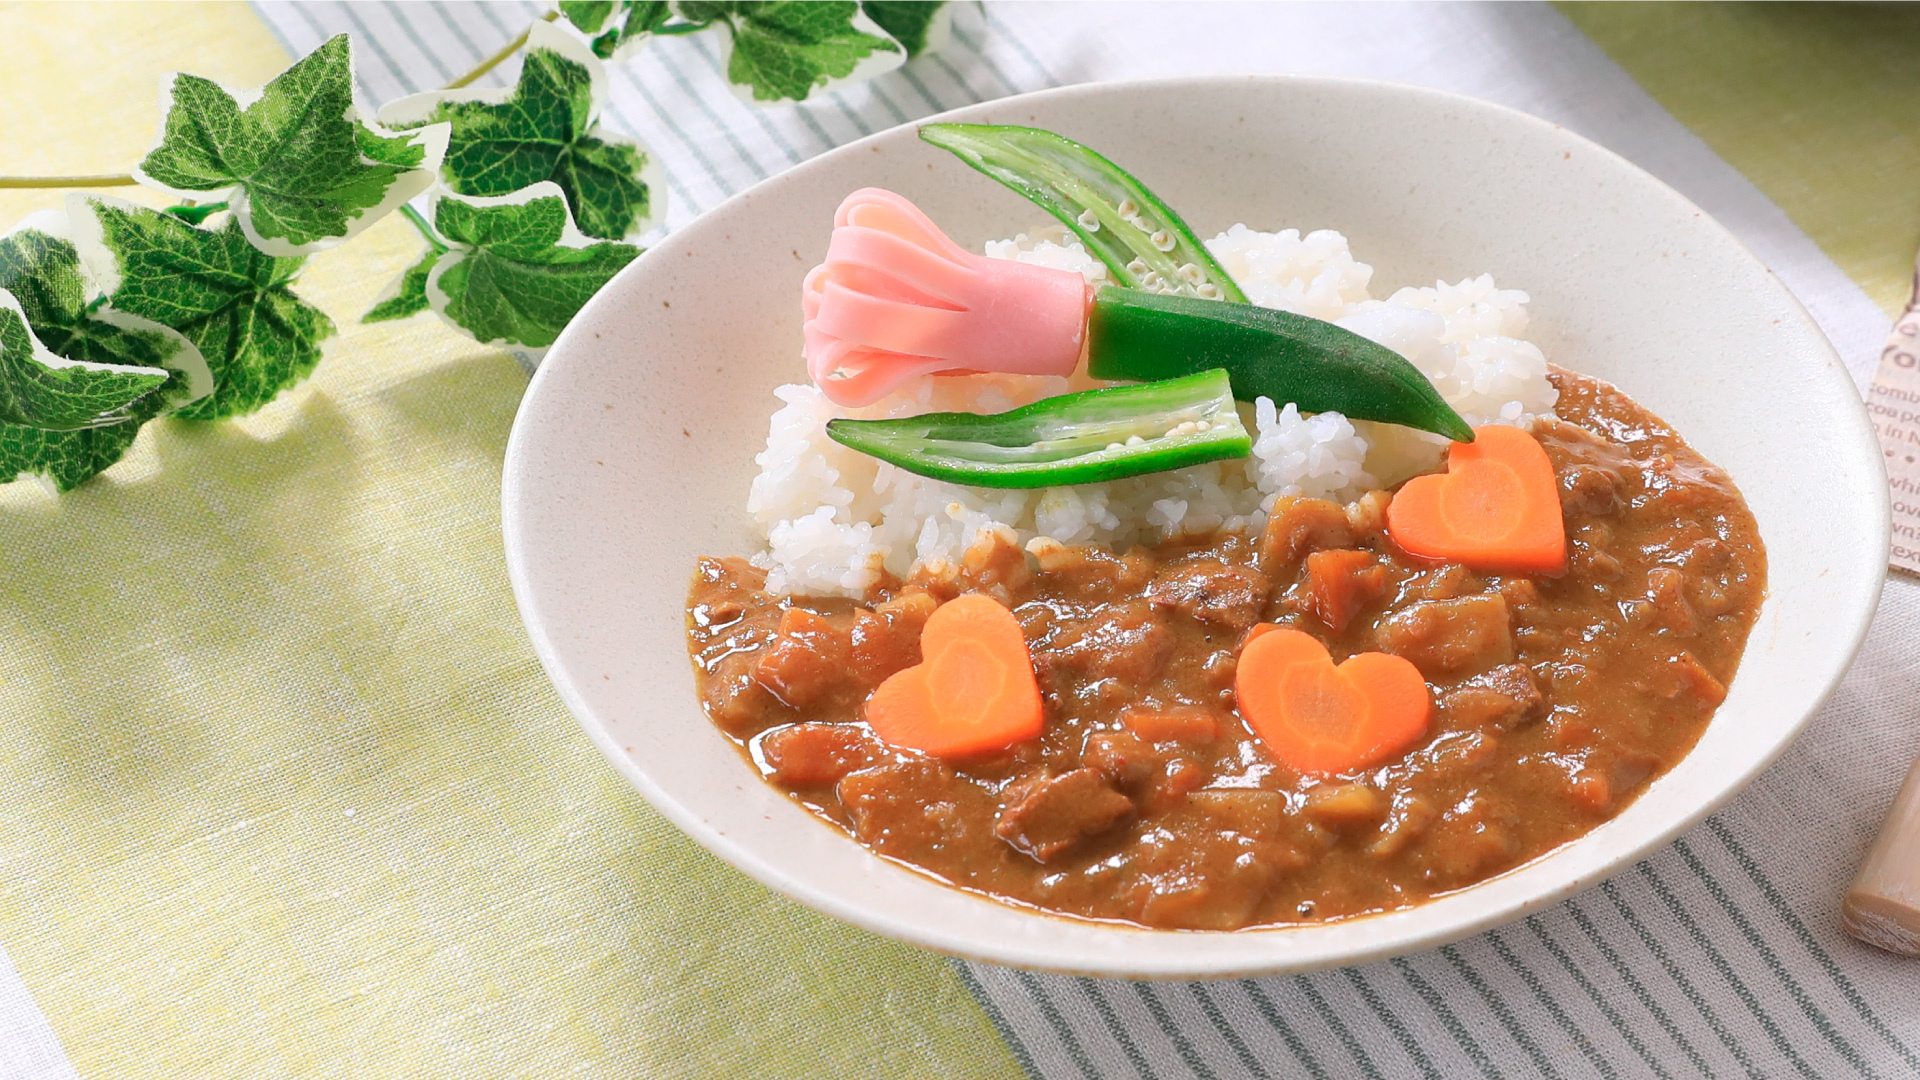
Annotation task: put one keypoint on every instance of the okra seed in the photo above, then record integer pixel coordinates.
(1137, 267)
(1113, 446)
(1191, 272)
(1135, 440)
(1208, 290)
(1162, 240)
(1089, 220)
(1127, 208)
(1203, 425)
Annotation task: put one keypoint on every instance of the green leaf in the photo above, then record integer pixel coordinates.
(543, 128)
(587, 15)
(304, 170)
(920, 26)
(41, 267)
(41, 389)
(787, 50)
(407, 295)
(642, 20)
(42, 270)
(629, 23)
(211, 284)
(518, 270)
(68, 458)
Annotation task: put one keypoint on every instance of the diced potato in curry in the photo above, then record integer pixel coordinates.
(1555, 698)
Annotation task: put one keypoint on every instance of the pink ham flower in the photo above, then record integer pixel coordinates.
(897, 299)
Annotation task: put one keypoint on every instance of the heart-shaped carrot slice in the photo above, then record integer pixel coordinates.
(973, 691)
(1320, 719)
(1495, 508)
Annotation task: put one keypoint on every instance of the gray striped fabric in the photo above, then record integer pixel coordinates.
(1720, 956)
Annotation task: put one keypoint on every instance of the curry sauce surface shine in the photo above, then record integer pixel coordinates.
(1147, 799)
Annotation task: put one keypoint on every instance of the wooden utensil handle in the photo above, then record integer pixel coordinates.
(1883, 907)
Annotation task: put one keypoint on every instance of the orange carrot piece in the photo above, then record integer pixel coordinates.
(1177, 723)
(1689, 674)
(1340, 582)
(973, 691)
(1591, 790)
(1496, 507)
(1319, 719)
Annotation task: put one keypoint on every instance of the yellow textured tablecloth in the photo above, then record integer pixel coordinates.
(283, 791)
(1817, 103)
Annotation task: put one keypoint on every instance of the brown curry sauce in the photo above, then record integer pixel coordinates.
(1148, 800)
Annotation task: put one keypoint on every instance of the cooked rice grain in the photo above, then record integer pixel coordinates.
(836, 520)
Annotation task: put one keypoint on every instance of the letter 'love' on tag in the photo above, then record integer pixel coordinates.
(1319, 719)
(1495, 508)
(973, 691)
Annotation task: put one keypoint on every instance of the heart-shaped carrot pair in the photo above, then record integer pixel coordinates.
(1320, 719)
(1495, 508)
(973, 691)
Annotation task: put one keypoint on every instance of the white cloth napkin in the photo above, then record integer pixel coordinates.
(1719, 956)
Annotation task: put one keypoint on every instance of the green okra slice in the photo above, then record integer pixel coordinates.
(1079, 438)
(1139, 337)
(1143, 242)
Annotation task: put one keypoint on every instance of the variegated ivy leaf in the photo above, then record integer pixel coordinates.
(39, 388)
(41, 272)
(212, 285)
(588, 16)
(41, 268)
(920, 26)
(628, 23)
(407, 295)
(787, 50)
(518, 270)
(544, 128)
(67, 458)
(300, 167)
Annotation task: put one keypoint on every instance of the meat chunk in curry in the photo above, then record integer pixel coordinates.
(1556, 697)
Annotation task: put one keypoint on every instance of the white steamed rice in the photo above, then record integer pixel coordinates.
(836, 519)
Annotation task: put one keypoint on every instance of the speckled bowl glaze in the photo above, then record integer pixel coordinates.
(632, 453)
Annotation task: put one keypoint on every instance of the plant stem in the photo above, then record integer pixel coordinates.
(500, 57)
(110, 180)
(427, 231)
(194, 213)
(127, 180)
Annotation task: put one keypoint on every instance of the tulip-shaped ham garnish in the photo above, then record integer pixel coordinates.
(897, 299)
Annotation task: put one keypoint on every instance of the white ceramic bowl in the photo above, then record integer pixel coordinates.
(632, 453)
